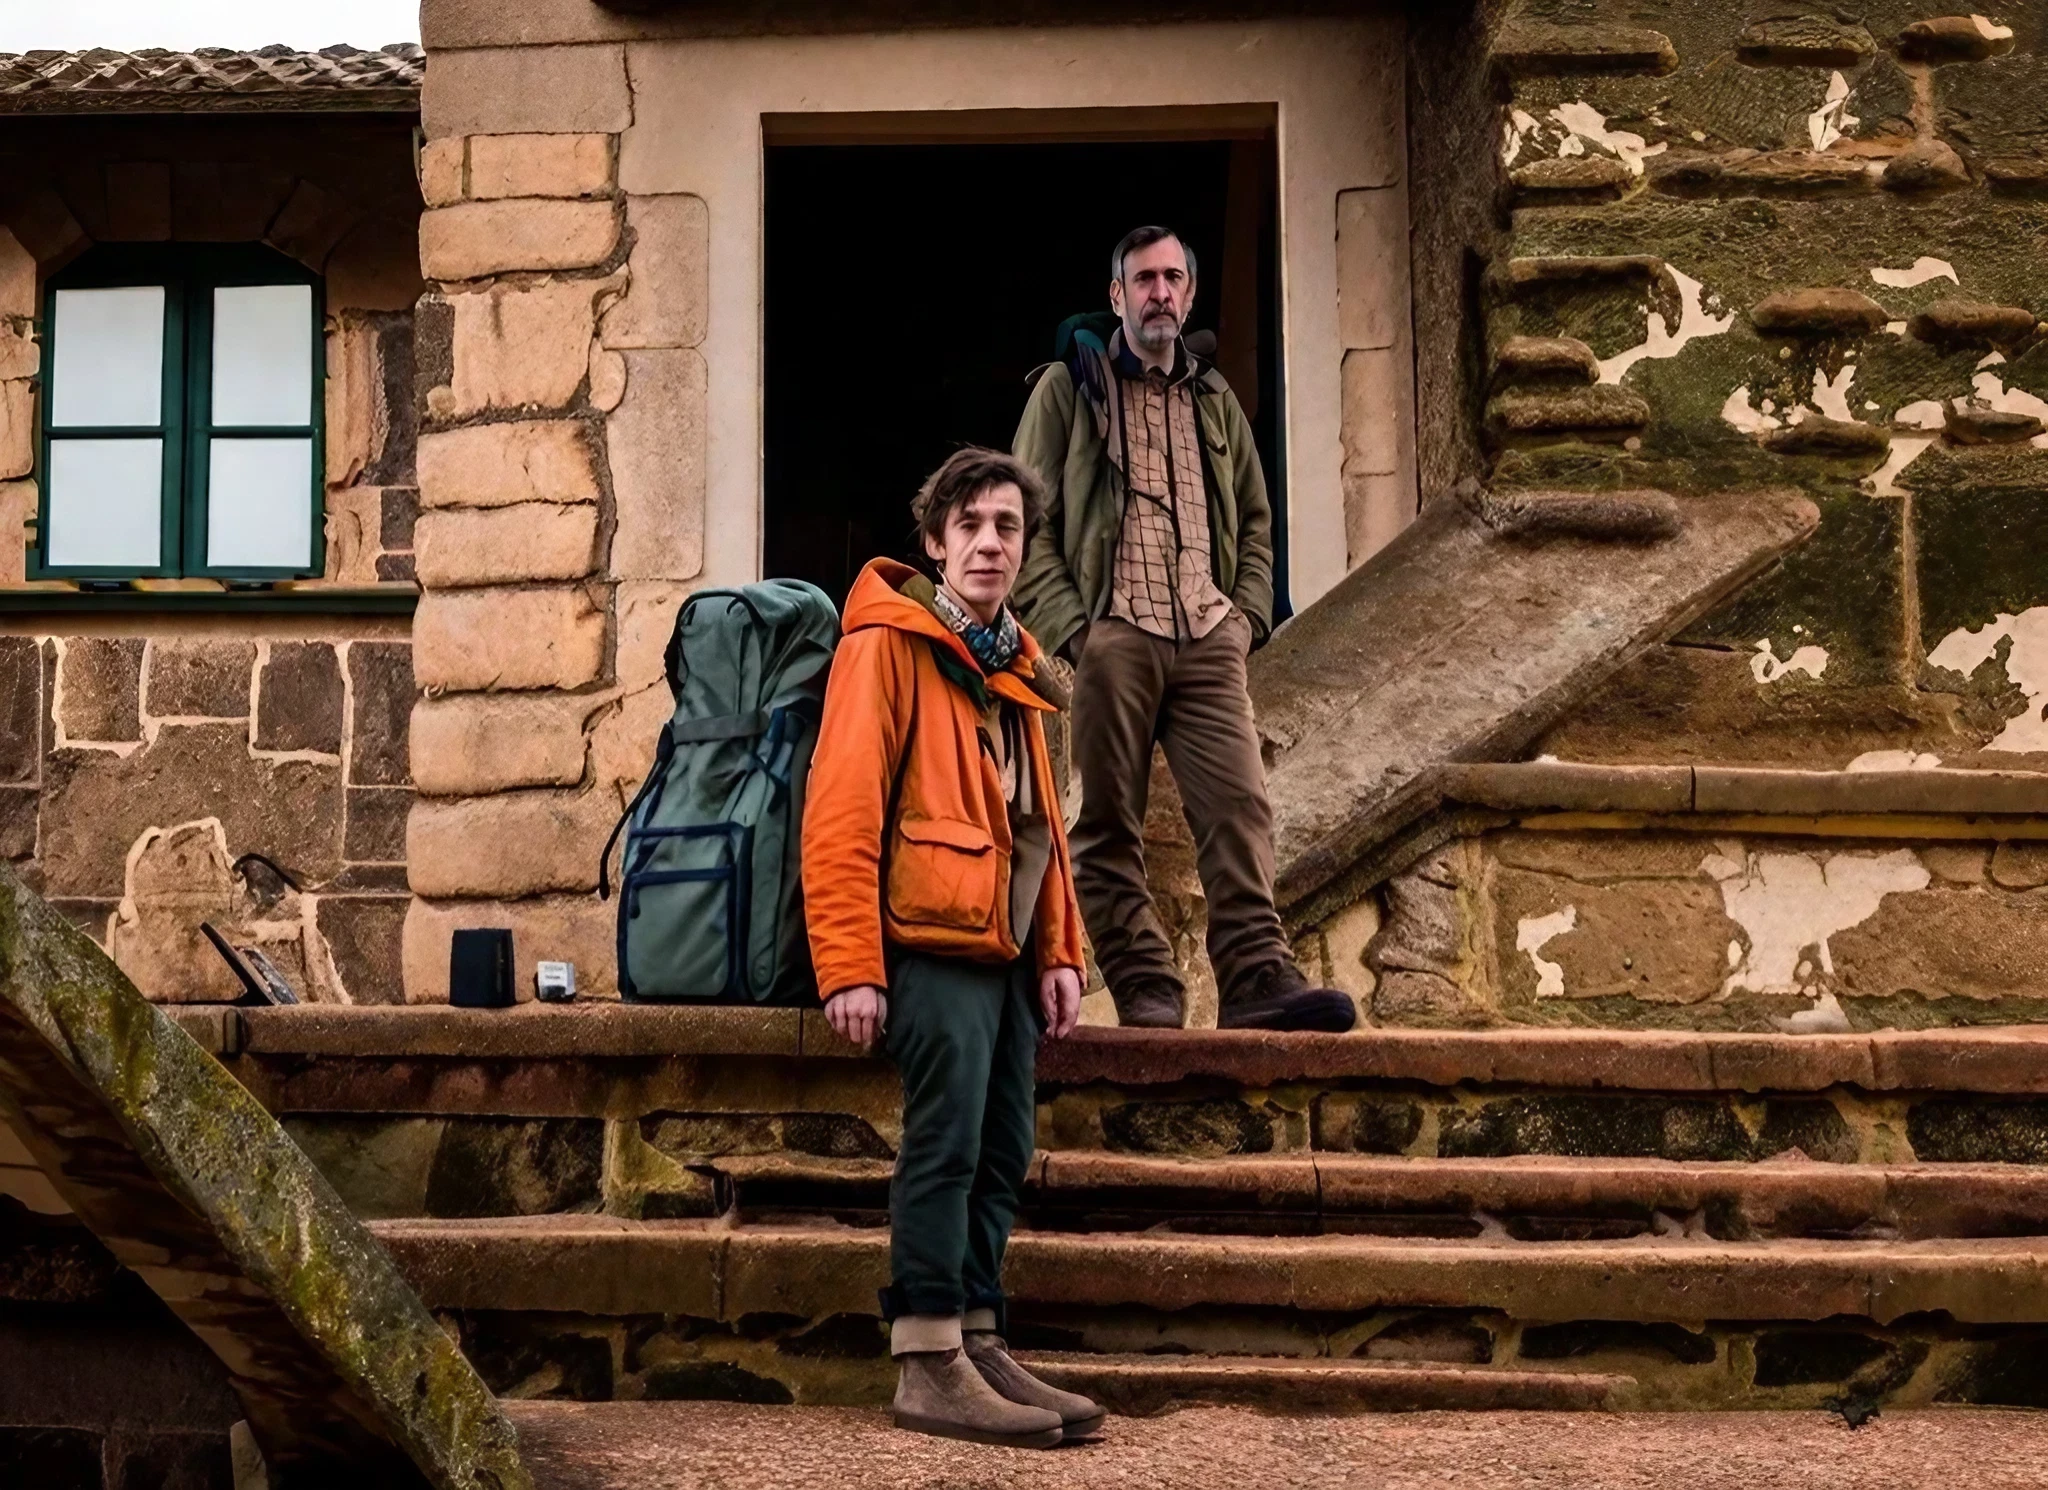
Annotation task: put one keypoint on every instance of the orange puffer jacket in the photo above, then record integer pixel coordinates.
(933, 874)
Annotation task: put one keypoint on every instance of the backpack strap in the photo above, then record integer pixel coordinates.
(720, 727)
(664, 747)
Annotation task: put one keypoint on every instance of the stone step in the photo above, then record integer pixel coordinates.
(568, 1060)
(633, 1110)
(1525, 1198)
(1141, 1385)
(604, 1267)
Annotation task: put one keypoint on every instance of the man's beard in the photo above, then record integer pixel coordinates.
(1158, 330)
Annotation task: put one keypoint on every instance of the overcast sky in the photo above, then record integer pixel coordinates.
(130, 25)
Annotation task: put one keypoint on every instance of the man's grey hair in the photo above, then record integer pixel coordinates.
(1145, 237)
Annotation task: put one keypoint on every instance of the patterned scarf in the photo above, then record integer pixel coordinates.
(994, 647)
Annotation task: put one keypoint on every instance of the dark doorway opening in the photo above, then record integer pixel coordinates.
(910, 289)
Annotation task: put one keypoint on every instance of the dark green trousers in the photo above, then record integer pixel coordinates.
(964, 1037)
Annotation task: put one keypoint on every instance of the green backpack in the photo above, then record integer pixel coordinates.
(710, 894)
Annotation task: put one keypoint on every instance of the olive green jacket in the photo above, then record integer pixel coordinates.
(1065, 581)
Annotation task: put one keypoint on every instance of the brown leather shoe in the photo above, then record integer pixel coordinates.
(1150, 1002)
(1080, 1416)
(1275, 996)
(941, 1393)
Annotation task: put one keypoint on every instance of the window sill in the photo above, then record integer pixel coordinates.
(296, 600)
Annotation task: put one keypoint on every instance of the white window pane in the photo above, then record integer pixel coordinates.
(259, 504)
(108, 350)
(106, 503)
(263, 354)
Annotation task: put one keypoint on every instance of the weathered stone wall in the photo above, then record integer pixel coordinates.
(145, 758)
(562, 472)
(159, 775)
(1740, 250)
(1795, 252)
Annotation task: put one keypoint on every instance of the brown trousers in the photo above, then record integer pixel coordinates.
(1131, 689)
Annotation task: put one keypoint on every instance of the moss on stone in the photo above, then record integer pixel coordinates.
(1842, 590)
(1978, 1130)
(1594, 1127)
(1199, 1128)
(1980, 534)
(1744, 249)
(165, 1155)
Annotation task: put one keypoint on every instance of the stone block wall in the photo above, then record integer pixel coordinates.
(1674, 927)
(155, 778)
(562, 490)
(160, 770)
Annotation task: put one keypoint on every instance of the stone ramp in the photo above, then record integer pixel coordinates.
(1477, 628)
(723, 1446)
(344, 1376)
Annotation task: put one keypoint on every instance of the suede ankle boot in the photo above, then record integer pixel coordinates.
(1079, 1416)
(939, 1391)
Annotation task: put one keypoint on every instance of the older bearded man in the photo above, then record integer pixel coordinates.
(1153, 574)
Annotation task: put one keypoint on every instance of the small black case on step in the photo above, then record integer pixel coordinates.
(480, 969)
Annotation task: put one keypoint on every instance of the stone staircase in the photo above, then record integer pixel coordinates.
(632, 1203)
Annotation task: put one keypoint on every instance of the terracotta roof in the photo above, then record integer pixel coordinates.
(213, 79)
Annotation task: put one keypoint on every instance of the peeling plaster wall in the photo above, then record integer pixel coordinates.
(1813, 272)
(1672, 929)
(1736, 264)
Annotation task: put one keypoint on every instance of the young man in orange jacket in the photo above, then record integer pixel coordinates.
(940, 902)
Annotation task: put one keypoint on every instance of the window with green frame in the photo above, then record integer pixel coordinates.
(181, 418)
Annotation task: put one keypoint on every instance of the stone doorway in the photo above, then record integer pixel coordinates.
(911, 287)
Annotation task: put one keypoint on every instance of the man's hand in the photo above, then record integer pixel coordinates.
(1059, 995)
(858, 1014)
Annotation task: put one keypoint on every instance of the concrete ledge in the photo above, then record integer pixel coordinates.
(540, 1060)
(1565, 786)
(610, 1268)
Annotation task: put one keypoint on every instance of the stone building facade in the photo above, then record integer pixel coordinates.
(592, 360)
(1707, 253)
(1565, 254)
(178, 750)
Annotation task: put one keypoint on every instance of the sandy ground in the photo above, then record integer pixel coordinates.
(721, 1446)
